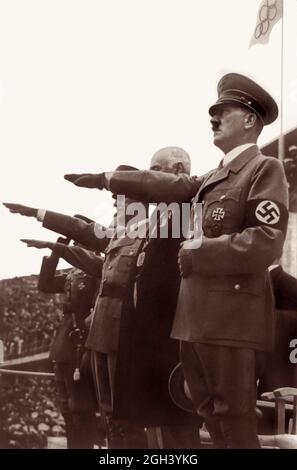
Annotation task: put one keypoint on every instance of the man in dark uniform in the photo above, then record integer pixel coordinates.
(76, 392)
(134, 340)
(224, 315)
(131, 332)
(97, 237)
(277, 371)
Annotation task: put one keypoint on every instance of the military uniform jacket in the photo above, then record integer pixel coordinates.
(118, 274)
(138, 331)
(79, 290)
(227, 299)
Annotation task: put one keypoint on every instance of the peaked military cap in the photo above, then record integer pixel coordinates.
(83, 217)
(179, 391)
(234, 88)
(126, 168)
(292, 148)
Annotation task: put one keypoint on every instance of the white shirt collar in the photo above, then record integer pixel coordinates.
(235, 152)
(272, 267)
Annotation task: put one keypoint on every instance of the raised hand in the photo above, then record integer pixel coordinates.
(185, 262)
(87, 180)
(38, 244)
(185, 255)
(22, 210)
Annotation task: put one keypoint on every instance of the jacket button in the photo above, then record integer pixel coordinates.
(237, 287)
(109, 267)
(203, 202)
(131, 252)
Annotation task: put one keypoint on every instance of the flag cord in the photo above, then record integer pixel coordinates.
(281, 140)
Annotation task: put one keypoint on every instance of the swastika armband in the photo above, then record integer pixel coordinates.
(266, 212)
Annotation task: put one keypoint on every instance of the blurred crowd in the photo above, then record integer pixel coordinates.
(28, 412)
(28, 318)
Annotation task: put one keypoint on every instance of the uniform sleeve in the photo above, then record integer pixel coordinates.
(262, 238)
(48, 280)
(80, 258)
(77, 229)
(154, 186)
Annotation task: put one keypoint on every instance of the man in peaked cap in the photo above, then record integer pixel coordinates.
(225, 312)
(245, 204)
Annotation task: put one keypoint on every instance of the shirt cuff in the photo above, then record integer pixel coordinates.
(107, 178)
(41, 214)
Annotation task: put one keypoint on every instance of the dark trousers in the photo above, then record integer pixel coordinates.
(174, 437)
(77, 403)
(222, 383)
(123, 433)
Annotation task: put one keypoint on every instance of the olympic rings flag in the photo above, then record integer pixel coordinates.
(270, 12)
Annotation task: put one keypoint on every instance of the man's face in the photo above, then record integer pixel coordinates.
(228, 125)
(293, 154)
(165, 162)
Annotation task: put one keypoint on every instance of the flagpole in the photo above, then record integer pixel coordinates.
(281, 140)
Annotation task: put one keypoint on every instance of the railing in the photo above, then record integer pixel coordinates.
(35, 347)
(26, 372)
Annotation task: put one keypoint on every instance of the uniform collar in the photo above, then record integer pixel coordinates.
(235, 152)
(242, 158)
(273, 266)
(235, 166)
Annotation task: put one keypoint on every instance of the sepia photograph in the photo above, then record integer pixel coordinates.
(148, 274)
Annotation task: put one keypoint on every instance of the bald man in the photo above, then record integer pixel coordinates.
(142, 358)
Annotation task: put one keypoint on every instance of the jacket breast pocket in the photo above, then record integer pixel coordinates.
(120, 269)
(125, 263)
